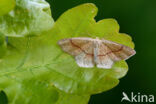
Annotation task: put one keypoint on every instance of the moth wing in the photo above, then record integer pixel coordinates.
(84, 60)
(81, 48)
(76, 46)
(118, 51)
(103, 60)
(110, 52)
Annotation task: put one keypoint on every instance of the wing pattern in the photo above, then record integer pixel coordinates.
(81, 48)
(88, 51)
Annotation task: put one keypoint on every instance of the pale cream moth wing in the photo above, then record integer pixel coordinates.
(102, 60)
(84, 60)
(81, 48)
(118, 51)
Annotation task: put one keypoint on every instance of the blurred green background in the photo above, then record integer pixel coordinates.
(138, 19)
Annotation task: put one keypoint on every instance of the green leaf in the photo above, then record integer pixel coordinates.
(6, 6)
(36, 66)
(2, 45)
(29, 17)
(3, 98)
(34, 91)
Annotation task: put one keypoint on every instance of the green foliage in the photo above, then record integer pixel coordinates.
(29, 17)
(36, 71)
(3, 98)
(6, 6)
(2, 45)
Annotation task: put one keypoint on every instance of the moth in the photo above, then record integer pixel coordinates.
(89, 52)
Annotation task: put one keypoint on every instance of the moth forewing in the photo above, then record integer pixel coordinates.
(118, 51)
(103, 60)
